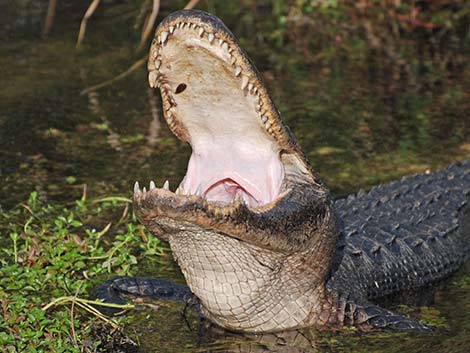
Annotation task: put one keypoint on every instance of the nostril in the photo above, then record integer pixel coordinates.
(181, 87)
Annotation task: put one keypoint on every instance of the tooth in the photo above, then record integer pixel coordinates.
(199, 190)
(153, 78)
(264, 118)
(158, 63)
(137, 188)
(225, 46)
(144, 190)
(267, 125)
(183, 24)
(164, 36)
(244, 82)
(193, 25)
(221, 41)
(152, 185)
(166, 185)
(238, 70)
(172, 29)
(170, 111)
(250, 86)
(201, 31)
(211, 37)
(233, 60)
(180, 190)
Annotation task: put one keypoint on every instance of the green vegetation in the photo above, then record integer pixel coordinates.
(53, 251)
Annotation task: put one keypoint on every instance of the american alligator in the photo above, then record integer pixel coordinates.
(258, 237)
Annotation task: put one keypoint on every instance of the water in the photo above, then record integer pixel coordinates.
(362, 117)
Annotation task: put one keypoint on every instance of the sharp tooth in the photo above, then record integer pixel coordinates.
(144, 190)
(137, 188)
(233, 60)
(244, 82)
(238, 70)
(164, 36)
(172, 29)
(264, 118)
(225, 46)
(158, 63)
(152, 185)
(250, 86)
(170, 111)
(166, 185)
(211, 37)
(180, 190)
(192, 25)
(267, 125)
(221, 41)
(201, 31)
(153, 78)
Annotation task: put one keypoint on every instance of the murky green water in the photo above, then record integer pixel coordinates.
(362, 118)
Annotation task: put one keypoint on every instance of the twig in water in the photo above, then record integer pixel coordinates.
(49, 21)
(191, 4)
(150, 23)
(89, 12)
(134, 67)
(140, 17)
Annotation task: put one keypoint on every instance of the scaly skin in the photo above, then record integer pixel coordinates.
(300, 259)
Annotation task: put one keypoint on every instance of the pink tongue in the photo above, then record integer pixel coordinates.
(227, 190)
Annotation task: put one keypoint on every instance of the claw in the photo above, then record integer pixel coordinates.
(166, 185)
(152, 185)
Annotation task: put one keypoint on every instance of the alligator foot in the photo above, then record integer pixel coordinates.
(379, 318)
(116, 289)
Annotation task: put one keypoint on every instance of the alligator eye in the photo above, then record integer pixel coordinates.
(181, 87)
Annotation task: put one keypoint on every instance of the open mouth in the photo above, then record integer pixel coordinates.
(214, 100)
(231, 169)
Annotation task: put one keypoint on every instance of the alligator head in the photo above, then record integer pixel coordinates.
(250, 224)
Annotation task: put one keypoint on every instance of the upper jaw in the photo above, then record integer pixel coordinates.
(193, 29)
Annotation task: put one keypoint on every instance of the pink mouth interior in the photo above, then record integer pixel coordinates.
(227, 171)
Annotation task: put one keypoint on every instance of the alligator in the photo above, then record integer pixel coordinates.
(260, 240)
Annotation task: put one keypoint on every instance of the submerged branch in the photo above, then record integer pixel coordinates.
(191, 4)
(134, 67)
(50, 16)
(89, 12)
(149, 23)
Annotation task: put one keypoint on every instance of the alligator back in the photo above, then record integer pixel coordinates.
(403, 235)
